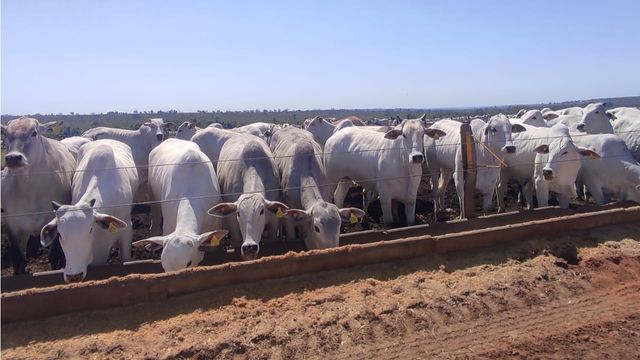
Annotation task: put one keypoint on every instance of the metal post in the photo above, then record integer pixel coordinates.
(467, 209)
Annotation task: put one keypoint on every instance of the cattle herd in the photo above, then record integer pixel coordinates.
(262, 183)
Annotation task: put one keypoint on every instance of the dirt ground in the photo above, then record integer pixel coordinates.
(566, 296)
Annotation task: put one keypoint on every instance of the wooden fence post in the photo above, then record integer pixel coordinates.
(467, 209)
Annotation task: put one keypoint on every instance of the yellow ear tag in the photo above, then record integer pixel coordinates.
(214, 240)
(56, 130)
(279, 213)
(112, 228)
(353, 219)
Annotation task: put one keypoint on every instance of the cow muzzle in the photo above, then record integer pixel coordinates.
(74, 278)
(417, 158)
(249, 251)
(14, 160)
(509, 149)
(547, 174)
(580, 127)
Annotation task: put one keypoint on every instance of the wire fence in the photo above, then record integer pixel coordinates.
(323, 185)
(323, 154)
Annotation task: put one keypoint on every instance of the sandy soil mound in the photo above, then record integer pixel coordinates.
(574, 295)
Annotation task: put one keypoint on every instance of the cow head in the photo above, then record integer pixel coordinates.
(595, 120)
(563, 156)
(409, 135)
(251, 211)
(323, 220)
(496, 133)
(23, 138)
(77, 226)
(182, 250)
(186, 130)
(533, 118)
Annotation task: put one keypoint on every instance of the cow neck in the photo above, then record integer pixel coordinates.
(92, 191)
(187, 219)
(309, 192)
(252, 181)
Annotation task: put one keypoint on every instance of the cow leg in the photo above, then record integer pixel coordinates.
(527, 189)
(395, 206)
(341, 193)
(460, 191)
(596, 192)
(18, 260)
(125, 243)
(542, 192)
(487, 200)
(410, 213)
(387, 213)
(500, 192)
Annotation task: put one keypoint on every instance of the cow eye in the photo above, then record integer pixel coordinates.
(261, 211)
(35, 133)
(564, 153)
(317, 228)
(533, 118)
(404, 136)
(597, 112)
(494, 129)
(189, 263)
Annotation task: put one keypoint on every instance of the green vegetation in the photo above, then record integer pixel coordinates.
(75, 124)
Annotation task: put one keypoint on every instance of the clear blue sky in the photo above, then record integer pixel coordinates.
(98, 56)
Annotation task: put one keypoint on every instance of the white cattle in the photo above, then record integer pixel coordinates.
(626, 124)
(186, 130)
(262, 130)
(521, 164)
(215, 125)
(531, 117)
(38, 170)
(186, 190)
(595, 120)
(103, 188)
(616, 173)
(571, 121)
(303, 180)
(74, 143)
(210, 140)
(141, 142)
(388, 163)
(251, 190)
(322, 129)
(552, 114)
(557, 165)
(444, 158)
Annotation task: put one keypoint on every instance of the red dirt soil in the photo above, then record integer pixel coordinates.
(568, 296)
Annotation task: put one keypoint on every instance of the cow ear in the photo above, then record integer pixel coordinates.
(588, 153)
(393, 134)
(297, 214)
(191, 125)
(169, 124)
(56, 205)
(108, 222)
(211, 239)
(351, 215)
(516, 128)
(277, 208)
(223, 210)
(550, 115)
(542, 149)
(49, 233)
(51, 126)
(611, 115)
(423, 117)
(486, 130)
(152, 243)
(434, 133)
